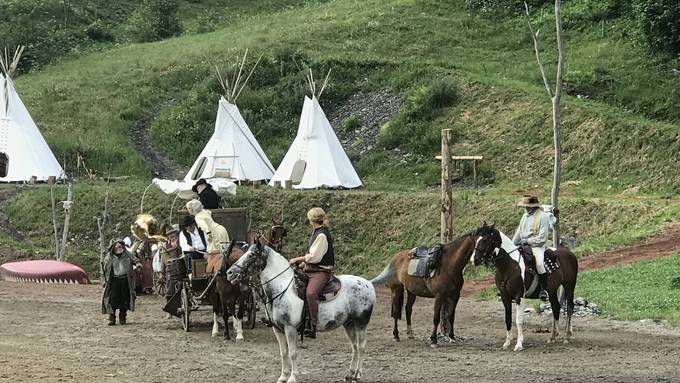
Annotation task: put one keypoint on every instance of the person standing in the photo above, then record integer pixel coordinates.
(119, 282)
(206, 194)
(319, 262)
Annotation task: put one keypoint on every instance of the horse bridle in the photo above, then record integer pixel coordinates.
(260, 257)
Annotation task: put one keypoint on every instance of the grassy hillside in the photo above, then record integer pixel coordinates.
(614, 133)
(369, 227)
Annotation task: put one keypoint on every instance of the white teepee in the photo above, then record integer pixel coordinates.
(232, 152)
(28, 153)
(316, 158)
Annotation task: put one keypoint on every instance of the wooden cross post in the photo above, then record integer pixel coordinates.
(447, 192)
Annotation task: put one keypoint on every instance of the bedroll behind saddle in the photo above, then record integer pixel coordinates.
(549, 260)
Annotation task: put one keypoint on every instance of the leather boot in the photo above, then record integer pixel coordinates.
(123, 317)
(543, 282)
(310, 332)
(112, 319)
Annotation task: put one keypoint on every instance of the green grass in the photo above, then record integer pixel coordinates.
(615, 138)
(637, 291)
(369, 227)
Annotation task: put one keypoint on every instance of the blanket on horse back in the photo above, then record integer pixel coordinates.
(549, 260)
(424, 262)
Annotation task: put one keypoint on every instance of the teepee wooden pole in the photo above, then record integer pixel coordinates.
(247, 78)
(238, 77)
(325, 81)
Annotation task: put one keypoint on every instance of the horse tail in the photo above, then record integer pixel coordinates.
(387, 272)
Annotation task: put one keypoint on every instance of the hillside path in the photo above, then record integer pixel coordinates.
(140, 140)
(662, 245)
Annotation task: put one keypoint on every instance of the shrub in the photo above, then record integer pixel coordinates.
(660, 23)
(351, 123)
(155, 20)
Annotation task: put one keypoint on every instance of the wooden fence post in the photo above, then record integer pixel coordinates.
(447, 193)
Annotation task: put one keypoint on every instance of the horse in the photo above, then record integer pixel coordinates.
(225, 295)
(495, 248)
(273, 237)
(351, 308)
(444, 286)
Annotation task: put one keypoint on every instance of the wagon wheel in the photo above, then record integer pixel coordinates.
(159, 283)
(186, 307)
(251, 307)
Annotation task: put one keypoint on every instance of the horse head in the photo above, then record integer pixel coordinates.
(488, 241)
(251, 263)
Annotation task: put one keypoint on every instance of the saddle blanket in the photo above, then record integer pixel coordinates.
(424, 262)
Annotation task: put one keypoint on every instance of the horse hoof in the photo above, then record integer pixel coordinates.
(519, 347)
(395, 339)
(566, 341)
(239, 339)
(434, 345)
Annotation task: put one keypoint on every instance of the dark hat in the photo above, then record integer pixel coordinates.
(200, 182)
(189, 220)
(114, 241)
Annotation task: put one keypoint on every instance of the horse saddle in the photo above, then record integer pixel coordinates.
(549, 260)
(423, 261)
(328, 293)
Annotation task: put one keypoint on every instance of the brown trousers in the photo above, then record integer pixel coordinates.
(317, 281)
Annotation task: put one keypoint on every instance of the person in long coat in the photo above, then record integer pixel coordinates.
(119, 282)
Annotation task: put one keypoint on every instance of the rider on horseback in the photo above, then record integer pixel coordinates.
(319, 262)
(533, 231)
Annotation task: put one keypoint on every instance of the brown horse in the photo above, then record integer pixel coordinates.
(225, 295)
(272, 237)
(444, 286)
(494, 248)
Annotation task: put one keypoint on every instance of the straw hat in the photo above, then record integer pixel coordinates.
(529, 201)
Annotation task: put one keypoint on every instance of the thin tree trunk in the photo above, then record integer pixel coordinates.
(67, 220)
(557, 122)
(54, 224)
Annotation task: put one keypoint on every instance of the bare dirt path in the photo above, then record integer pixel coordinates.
(140, 140)
(665, 244)
(55, 333)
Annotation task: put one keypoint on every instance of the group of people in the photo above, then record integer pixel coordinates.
(201, 238)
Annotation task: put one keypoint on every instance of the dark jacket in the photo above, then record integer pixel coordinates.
(209, 198)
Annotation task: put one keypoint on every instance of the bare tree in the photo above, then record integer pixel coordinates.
(555, 98)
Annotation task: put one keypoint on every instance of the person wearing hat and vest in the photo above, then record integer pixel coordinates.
(168, 251)
(119, 281)
(192, 241)
(533, 231)
(206, 194)
(319, 262)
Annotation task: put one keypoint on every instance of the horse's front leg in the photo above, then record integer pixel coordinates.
(520, 326)
(435, 319)
(216, 325)
(507, 306)
(283, 351)
(238, 324)
(410, 300)
(226, 313)
(291, 337)
(452, 314)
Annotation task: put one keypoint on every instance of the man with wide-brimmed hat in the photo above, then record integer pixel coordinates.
(533, 231)
(119, 278)
(192, 240)
(168, 251)
(206, 194)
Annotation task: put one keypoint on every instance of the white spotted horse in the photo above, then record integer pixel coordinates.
(351, 307)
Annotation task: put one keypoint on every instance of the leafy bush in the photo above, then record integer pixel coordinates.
(660, 21)
(510, 6)
(351, 123)
(155, 20)
(413, 128)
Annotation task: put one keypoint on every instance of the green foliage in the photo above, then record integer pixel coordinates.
(351, 123)
(509, 6)
(155, 20)
(660, 21)
(413, 128)
(368, 227)
(638, 291)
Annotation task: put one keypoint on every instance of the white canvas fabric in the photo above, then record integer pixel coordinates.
(232, 151)
(220, 185)
(28, 153)
(316, 158)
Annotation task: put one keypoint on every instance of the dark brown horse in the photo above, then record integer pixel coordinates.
(494, 248)
(272, 237)
(444, 286)
(225, 295)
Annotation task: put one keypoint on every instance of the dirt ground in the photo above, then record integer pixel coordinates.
(55, 333)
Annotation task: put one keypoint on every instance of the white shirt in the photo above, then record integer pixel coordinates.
(196, 241)
(318, 249)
